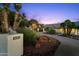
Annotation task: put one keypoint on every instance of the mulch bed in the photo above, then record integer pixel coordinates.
(47, 49)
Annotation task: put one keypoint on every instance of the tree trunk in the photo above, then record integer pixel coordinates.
(4, 21)
(69, 31)
(64, 31)
(15, 21)
(77, 31)
(19, 22)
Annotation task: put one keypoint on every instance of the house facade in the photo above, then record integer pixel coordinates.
(59, 30)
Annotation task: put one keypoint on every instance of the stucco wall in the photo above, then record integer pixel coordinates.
(10, 46)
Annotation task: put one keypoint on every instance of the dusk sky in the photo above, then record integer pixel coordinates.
(50, 13)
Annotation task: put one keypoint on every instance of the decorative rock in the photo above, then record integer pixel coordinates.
(11, 31)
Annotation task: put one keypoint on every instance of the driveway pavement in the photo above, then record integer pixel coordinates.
(68, 46)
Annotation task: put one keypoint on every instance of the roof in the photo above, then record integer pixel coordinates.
(56, 26)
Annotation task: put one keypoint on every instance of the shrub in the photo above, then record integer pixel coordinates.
(29, 36)
(50, 30)
(47, 28)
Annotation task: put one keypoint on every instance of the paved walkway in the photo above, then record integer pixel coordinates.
(68, 47)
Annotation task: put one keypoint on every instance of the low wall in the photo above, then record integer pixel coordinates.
(11, 44)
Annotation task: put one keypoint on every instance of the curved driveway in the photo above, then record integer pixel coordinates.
(68, 47)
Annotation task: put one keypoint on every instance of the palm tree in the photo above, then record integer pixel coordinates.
(5, 17)
(11, 17)
(17, 7)
(67, 27)
(73, 26)
(24, 22)
(23, 16)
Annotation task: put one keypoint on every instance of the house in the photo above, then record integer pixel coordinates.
(59, 30)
